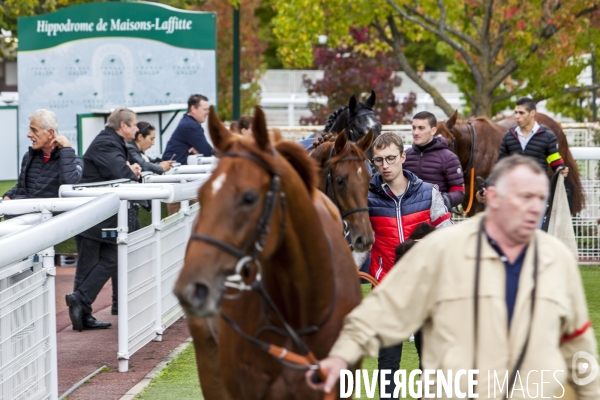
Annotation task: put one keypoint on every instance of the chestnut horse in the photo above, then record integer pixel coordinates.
(266, 263)
(344, 177)
(488, 137)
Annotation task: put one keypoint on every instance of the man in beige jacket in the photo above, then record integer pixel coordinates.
(515, 271)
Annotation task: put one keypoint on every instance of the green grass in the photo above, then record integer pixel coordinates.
(180, 381)
(6, 185)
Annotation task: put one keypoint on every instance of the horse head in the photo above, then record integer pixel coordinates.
(241, 220)
(344, 178)
(457, 136)
(357, 119)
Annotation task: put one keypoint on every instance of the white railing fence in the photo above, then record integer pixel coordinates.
(28, 352)
(150, 258)
(149, 262)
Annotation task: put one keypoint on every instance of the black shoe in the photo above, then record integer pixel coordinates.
(92, 323)
(114, 310)
(75, 311)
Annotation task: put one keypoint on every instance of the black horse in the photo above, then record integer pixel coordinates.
(357, 118)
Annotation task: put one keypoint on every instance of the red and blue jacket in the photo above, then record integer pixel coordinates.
(394, 220)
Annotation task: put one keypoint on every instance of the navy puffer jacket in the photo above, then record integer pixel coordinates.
(42, 180)
(434, 163)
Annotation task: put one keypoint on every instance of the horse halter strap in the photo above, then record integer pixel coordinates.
(329, 183)
(257, 239)
(470, 165)
(361, 113)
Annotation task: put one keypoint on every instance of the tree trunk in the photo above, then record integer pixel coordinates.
(482, 105)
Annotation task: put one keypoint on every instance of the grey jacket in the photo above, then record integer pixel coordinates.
(135, 156)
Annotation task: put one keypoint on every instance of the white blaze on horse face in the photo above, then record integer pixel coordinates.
(218, 183)
(372, 122)
(359, 171)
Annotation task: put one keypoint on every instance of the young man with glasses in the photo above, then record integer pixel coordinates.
(398, 203)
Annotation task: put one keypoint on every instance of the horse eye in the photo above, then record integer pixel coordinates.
(249, 198)
(339, 180)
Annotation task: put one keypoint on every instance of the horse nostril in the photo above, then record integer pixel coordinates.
(359, 242)
(197, 293)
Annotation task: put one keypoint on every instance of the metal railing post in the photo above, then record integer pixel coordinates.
(156, 221)
(48, 266)
(122, 228)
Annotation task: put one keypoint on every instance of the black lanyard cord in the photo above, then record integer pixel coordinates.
(519, 362)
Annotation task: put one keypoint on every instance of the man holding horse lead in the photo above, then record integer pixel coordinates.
(493, 294)
(530, 139)
(398, 202)
(432, 161)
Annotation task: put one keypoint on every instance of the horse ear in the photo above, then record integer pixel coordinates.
(366, 141)
(352, 104)
(371, 100)
(218, 133)
(340, 141)
(259, 128)
(452, 121)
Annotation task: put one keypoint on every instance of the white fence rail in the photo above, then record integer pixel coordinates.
(149, 259)
(28, 352)
(149, 262)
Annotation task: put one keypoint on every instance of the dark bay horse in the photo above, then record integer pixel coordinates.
(488, 137)
(267, 247)
(356, 118)
(344, 177)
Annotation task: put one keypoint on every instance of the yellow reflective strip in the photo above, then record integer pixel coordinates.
(553, 157)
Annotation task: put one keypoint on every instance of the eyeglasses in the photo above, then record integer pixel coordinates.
(389, 159)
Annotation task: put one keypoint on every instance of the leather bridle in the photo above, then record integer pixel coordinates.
(254, 245)
(256, 241)
(470, 163)
(333, 197)
(362, 113)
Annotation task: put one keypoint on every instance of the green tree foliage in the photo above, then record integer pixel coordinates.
(499, 49)
(251, 55)
(347, 72)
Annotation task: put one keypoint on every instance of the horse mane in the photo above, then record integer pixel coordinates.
(304, 165)
(333, 118)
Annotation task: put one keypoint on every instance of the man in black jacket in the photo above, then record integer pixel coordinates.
(105, 159)
(49, 163)
(530, 139)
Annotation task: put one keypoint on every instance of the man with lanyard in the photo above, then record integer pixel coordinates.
(430, 159)
(530, 139)
(492, 293)
(398, 202)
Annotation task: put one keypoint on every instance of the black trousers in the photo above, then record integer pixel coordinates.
(97, 262)
(389, 358)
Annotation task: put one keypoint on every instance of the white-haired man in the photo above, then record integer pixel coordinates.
(49, 163)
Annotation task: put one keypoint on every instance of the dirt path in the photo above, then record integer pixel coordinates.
(81, 353)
